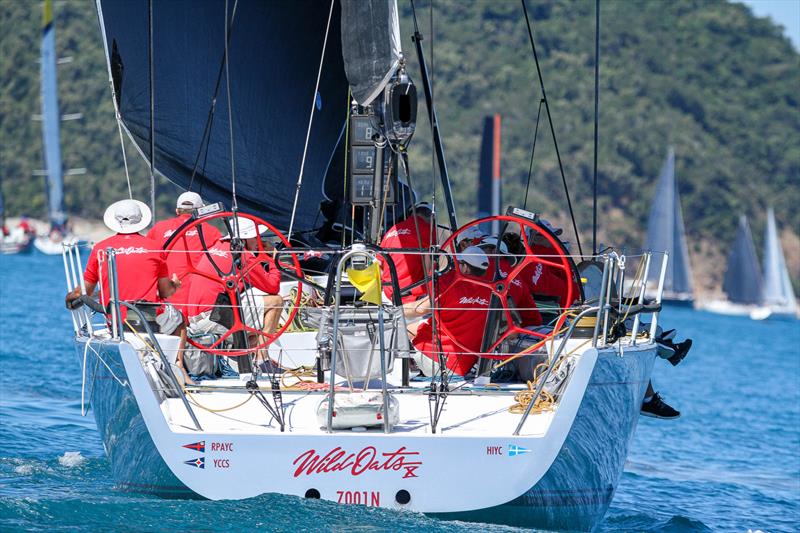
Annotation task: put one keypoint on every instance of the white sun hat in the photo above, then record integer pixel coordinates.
(247, 228)
(127, 216)
(473, 256)
(189, 200)
(492, 241)
(472, 232)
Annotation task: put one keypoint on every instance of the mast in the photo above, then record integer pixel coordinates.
(742, 281)
(50, 121)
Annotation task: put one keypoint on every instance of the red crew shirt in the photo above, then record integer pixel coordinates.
(203, 291)
(521, 296)
(140, 264)
(178, 261)
(410, 267)
(462, 307)
(544, 279)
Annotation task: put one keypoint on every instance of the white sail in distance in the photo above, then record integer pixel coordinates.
(777, 285)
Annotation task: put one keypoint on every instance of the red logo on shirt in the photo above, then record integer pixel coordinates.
(368, 459)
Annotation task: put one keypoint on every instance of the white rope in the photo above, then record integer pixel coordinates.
(310, 122)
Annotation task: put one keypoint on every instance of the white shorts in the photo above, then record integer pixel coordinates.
(253, 310)
(427, 366)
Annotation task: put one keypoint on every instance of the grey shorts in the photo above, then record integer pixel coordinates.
(169, 320)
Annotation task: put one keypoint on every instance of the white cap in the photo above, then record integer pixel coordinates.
(492, 241)
(473, 256)
(189, 200)
(472, 232)
(127, 216)
(247, 228)
(419, 206)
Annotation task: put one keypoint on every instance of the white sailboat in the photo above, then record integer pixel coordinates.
(778, 300)
(666, 233)
(455, 449)
(743, 282)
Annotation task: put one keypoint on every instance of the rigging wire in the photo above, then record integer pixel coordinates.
(596, 118)
(152, 109)
(234, 205)
(533, 151)
(552, 128)
(310, 122)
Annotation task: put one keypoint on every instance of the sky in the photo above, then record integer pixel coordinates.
(784, 12)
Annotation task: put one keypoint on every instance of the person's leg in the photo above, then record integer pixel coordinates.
(181, 331)
(270, 308)
(655, 407)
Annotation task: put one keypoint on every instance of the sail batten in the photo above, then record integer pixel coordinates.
(666, 232)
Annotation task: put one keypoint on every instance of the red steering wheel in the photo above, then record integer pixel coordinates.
(234, 278)
(501, 285)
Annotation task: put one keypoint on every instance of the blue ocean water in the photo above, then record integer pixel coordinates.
(730, 463)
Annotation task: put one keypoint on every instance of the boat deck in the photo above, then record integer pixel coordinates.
(224, 406)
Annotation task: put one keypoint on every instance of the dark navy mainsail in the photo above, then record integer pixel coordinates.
(742, 281)
(665, 232)
(275, 51)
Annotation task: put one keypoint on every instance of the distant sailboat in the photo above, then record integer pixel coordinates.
(742, 283)
(16, 240)
(665, 232)
(51, 140)
(777, 298)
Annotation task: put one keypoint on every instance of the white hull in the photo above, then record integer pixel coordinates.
(774, 312)
(724, 307)
(241, 453)
(48, 246)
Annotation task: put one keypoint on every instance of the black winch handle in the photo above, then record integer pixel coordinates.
(90, 302)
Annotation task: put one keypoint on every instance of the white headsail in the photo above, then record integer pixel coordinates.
(777, 289)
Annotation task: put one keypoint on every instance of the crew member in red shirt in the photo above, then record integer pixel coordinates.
(186, 250)
(545, 279)
(142, 272)
(462, 308)
(413, 232)
(261, 304)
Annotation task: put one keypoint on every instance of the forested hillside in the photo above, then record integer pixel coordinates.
(706, 77)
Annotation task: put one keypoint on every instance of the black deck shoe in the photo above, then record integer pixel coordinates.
(681, 349)
(658, 409)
